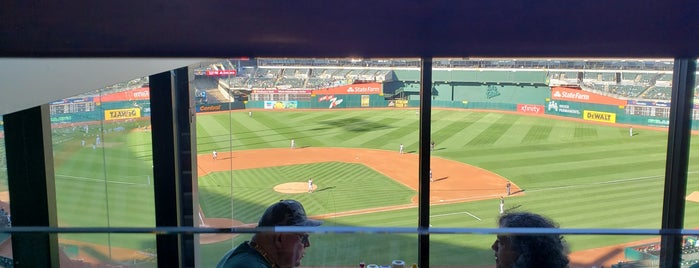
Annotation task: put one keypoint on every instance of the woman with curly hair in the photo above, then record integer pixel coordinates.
(527, 251)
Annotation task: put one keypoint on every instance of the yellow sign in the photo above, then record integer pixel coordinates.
(401, 103)
(122, 113)
(599, 116)
(365, 101)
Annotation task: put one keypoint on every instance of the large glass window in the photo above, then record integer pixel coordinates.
(585, 146)
(338, 135)
(691, 213)
(581, 141)
(5, 214)
(103, 168)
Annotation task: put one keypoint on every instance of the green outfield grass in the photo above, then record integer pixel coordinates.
(582, 175)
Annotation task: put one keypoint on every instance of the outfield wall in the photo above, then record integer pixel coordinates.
(556, 101)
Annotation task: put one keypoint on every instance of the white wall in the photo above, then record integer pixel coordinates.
(28, 82)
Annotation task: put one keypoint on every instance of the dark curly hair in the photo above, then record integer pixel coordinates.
(547, 250)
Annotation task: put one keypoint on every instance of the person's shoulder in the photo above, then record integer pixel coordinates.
(242, 256)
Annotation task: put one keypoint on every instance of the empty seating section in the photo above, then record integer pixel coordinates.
(295, 73)
(599, 76)
(569, 78)
(658, 93)
(285, 82)
(264, 78)
(649, 80)
(340, 73)
(629, 91)
(239, 82)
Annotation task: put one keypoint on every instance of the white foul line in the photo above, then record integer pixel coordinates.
(456, 213)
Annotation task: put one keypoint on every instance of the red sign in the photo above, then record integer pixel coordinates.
(221, 72)
(129, 95)
(578, 95)
(530, 109)
(367, 88)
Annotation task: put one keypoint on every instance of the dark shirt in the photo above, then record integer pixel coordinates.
(243, 256)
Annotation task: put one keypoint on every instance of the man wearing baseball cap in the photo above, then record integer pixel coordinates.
(273, 250)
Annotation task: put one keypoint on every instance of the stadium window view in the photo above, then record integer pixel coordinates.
(404, 160)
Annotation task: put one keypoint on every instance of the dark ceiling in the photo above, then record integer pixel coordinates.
(359, 28)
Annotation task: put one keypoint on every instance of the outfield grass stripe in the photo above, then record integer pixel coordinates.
(361, 130)
(537, 134)
(556, 171)
(447, 124)
(603, 156)
(585, 132)
(490, 129)
(464, 130)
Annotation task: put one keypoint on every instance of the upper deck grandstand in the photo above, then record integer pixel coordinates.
(643, 79)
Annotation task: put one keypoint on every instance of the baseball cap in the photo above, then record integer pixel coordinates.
(286, 213)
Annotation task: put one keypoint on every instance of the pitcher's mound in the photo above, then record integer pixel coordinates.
(694, 197)
(293, 187)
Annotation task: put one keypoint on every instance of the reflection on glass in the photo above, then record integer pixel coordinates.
(325, 148)
(91, 252)
(314, 130)
(561, 137)
(584, 251)
(582, 141)
(103, 167)
(336, 250)
(5, 215)
(691, 215)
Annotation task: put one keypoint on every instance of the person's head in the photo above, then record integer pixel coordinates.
(525, 251)
(286, 249)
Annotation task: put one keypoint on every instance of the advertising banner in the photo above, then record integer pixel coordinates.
(281, 104)
(365, 101)
(72, 100)
(367, 88)
(331, 99)
(215, 107)
(658, 122)
(211, 108)
(61, 119)
(220, 72)
(563, 108)
(648, 103)
(122, 114)
(599, 116)
(577, 95)
(129, 95)
(281, 91)
(530, 109)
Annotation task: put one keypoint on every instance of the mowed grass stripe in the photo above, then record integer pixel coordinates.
(615, 162)
(467, 129)
(492, 133)
(446, 128)
(345, 185)
(552, 153)
(537, 134)
(557, 171)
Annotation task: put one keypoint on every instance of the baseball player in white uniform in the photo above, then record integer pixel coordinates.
(502, 205)
(215, 155)
(310, 185)
(401, 148)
